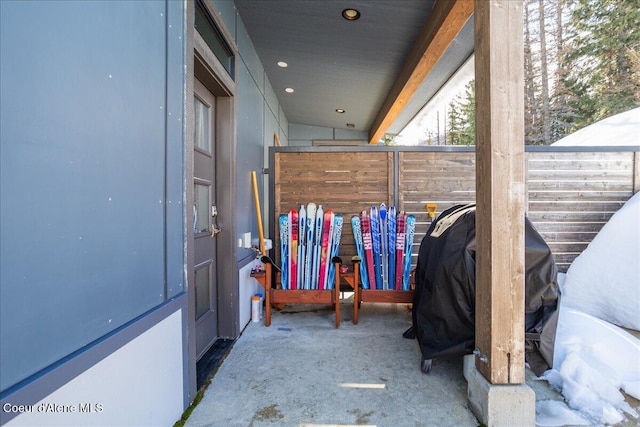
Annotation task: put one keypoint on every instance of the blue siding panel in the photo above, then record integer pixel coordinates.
(83, 131)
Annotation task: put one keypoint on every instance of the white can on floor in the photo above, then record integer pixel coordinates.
(255, 308)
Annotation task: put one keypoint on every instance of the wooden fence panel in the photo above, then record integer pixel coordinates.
(570, 194)
(345, 182)
(444, 178)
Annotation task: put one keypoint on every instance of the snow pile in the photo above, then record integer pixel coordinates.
(604, 280)
(552, 413)
(593, 360)
(619, 130)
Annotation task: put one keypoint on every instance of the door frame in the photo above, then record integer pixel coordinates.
(201, 62)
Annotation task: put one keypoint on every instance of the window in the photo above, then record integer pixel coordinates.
(207, 28)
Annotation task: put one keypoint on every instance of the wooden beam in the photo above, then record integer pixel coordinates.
(500, 191)
(443, 24)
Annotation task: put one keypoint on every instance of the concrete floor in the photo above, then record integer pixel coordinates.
(302, 371)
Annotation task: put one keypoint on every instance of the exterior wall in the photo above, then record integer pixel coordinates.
(92, 289)
(153, 398)
(304, 135)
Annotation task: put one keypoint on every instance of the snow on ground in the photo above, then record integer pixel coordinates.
(593, 358)
(619, 130)
(593, 361)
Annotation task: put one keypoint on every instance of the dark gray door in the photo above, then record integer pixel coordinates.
(204, 219)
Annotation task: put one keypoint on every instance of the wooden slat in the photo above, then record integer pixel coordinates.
(294, 296)
(568, 227)
(582, 196)
(389, 296)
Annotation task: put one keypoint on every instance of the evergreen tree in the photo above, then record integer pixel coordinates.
(462, 117)
(544, 76)
(603, 51)
(562, 116)
(468, 135)
(530, 87)
(454, 127)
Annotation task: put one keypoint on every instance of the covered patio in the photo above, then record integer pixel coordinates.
(302, 371)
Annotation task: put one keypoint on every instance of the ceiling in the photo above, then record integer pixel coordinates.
(356, 65)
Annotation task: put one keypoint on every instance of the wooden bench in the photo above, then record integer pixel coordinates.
(361, 295)
(276, 295)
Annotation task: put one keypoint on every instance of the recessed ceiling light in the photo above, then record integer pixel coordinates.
(282, 64)
(340, 110)
(350, 14)
(289, 90)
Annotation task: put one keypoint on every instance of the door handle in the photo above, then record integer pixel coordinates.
(214, 231)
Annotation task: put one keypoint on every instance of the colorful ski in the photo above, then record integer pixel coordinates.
(293, 249)
(408, 248)
(335, 249)
(384, 251)
(317, 247)
(308, 262)
(392, 246)
(375, 239)
(357, 236)
(325, 249)
(302, 236)
(368, 249)
(284, 246)
(400, 240)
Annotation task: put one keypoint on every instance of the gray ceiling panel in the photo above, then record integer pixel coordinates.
(334, 63)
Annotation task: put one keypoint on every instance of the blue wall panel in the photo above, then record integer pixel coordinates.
(249, 128)
(82, 130)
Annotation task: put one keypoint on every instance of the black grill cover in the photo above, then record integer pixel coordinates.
(444, 301)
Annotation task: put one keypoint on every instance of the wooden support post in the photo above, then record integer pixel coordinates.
(500, 191)
(267, 293)
(336, 293)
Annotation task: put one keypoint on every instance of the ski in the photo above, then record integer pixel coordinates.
(356, 227)
(293, 249)
(408, 247)
(317, 247)
(375, 239)
(325, 249)
(400, 240)
(308, 262)
(302, 235)
(392, 246)
(368, 249)
(284, 244)
(384, 252)
(335, 249)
